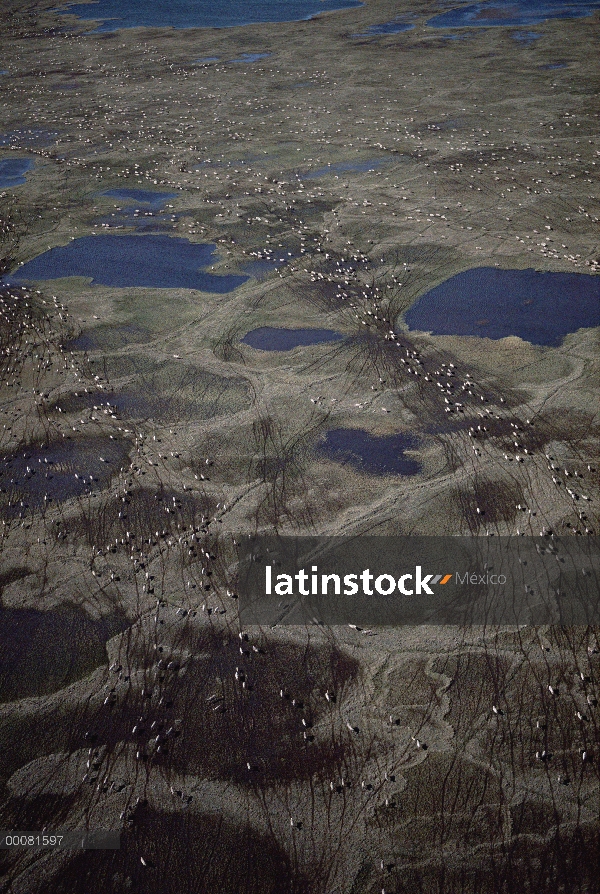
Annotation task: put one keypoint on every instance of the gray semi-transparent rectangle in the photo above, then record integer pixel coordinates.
(99, 840)
(460, 580)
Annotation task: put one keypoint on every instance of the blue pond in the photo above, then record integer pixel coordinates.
(513, 12)
(343, 167)
(251, 57)
(140, 221)
(369, 453)
(142, 216)
(61, 471)
(526, 37)
(393, 27)
(268, 338)
(146, 197)
(28, 137)
(13, 170)
(116, 14)
(159, 262)
(540, 308)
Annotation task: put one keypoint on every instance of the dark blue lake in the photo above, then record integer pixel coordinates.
(13, 170)
(116, 14)
(268, 338)
(145, 197)
(382, 455)
(540, 308)
(159, 262)
(393, 27)
(513, 12)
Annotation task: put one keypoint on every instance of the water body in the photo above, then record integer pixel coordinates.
(513, 12)
(206, 60)
(268, 338)
(159, 262)
(393, 27)
(27, 137)
(167, 391)
(59, 472)
(144, 197)
(43, 651)
(251, 57)
(141, 222)
(13, 170)
(344, 167)
(115, 14)
(384, 455)
(63, 87)
(540, 308)
(109, 337)
(142, 216)
(526, 37)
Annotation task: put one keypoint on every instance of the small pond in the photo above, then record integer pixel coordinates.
(144, 197)
(59, 472)
(269, 338)
(142, 221)
(142, 216)
(487, 302)
(393, 27)
(526, 37)
(377, 455)
(13, 170)
(28, 137)
(251, 57)
(513, 12)
(43, 651)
